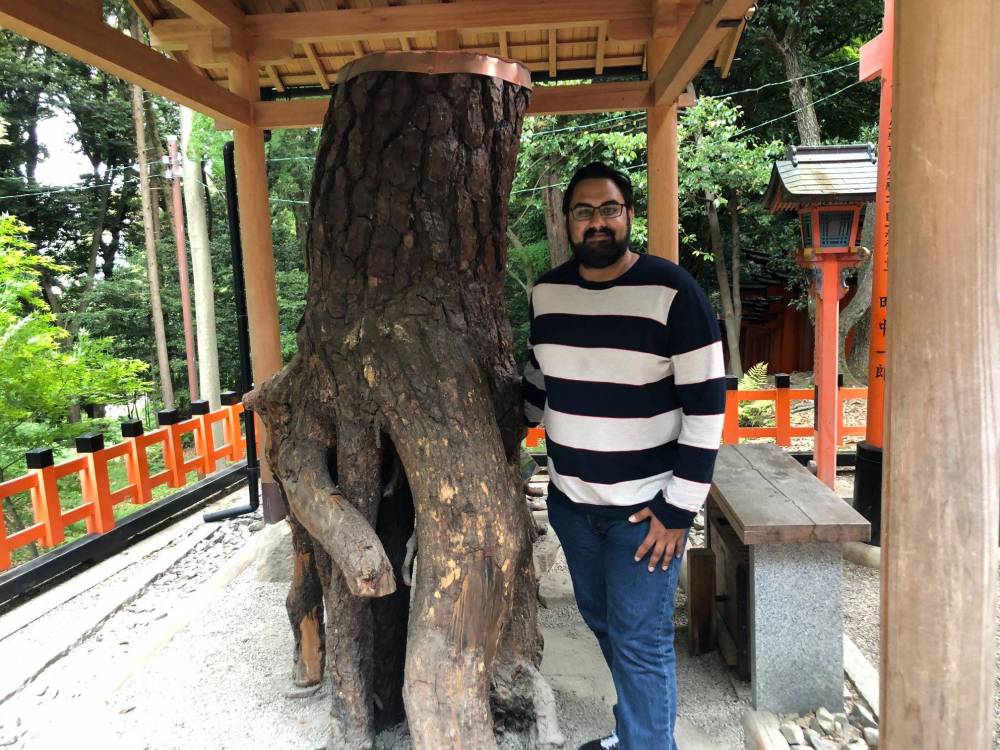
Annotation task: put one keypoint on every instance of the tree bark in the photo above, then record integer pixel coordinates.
(725, 292)
(201, 270)
(404, 350)
(857, 309)
(152, 267)
(555, 221)
(799, 88)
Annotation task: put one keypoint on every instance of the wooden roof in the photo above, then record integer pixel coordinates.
(823, 175)
(228, 54)
(306, 42)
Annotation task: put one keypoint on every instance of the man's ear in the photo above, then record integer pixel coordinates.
(631, 213)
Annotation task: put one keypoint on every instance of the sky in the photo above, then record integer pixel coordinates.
(65, 163)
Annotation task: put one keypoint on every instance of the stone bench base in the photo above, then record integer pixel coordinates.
(796, 627)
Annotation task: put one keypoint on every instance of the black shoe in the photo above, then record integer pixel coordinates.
(605, 743)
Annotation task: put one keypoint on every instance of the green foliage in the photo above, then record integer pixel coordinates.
(40, 380)
(755, 413)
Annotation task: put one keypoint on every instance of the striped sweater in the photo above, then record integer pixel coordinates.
(627, 377)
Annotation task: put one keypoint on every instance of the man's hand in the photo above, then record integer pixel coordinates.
(665, 543)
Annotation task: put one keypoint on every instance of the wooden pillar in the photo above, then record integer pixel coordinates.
(941, 483)
(661, 158)
(258, 251)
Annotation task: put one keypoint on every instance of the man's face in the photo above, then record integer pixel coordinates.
(600, 240)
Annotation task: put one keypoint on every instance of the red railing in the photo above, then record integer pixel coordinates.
(782, 431)
(98, 497)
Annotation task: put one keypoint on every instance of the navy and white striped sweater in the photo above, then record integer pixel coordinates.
(627, 377)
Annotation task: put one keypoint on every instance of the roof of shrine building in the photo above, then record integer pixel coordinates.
(814, 175)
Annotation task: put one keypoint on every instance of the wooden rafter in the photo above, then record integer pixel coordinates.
(710, 25)
(404, 43)
(213, 14)
(276, 81)
(602, 42)
(65, 28)
(317, 66)
(545, 100)
(502, 39)
(626, 19)
(553, 53)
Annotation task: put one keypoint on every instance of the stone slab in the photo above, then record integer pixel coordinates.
(862, 673)
(797, 625)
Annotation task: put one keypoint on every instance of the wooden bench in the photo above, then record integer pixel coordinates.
(773, 540)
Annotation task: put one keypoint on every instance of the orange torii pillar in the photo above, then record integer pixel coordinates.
(876, 61)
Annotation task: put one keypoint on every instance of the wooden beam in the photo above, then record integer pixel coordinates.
(275, 77)
(404, 43)
(697, 44)
(627, 20)
(449, 39)
(602, 43)
(258, 247)
(504, 49)
(358, 50)
(727, 50)
(663, 205)
(553, 53)
(941, 478)
(213, 14)
(94, 7)
(75, 32)
(317, 66)
(545, 100)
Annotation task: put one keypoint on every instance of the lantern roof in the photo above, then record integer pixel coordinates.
(823, 176)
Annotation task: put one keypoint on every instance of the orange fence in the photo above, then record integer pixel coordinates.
(98, 497)
(782, 431)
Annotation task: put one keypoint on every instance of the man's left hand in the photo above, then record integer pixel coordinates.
(665, 543)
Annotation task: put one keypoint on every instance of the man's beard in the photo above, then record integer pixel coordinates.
(602, 253)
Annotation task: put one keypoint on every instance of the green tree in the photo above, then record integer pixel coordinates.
(39, 377)
(723, 174)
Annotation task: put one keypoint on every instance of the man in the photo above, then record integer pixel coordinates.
(625, 370)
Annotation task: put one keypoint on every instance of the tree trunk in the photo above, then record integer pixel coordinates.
(857, 309)
(152, 268)
(555, 221)
(404, 350)
(725, 293)
(799, 88)
(201, 270)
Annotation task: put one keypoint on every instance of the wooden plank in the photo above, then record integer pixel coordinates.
(626, 19)
(317, 66)
(213, 14)
(697, 43)
(835, 519)
(769, 497)
(545, 100)
(553, 53)
(701, 600)
(75, 32)
(602, 45)
(941, 473)
(275, 78)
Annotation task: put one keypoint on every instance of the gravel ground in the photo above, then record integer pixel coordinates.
(67, 686)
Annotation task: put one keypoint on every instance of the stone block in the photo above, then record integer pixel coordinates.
(796, 622)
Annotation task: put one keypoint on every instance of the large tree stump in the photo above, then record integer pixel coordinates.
(401, 407)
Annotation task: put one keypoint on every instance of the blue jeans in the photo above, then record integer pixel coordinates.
(631, 612)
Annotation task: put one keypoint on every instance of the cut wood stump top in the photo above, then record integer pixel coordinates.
(769, 497)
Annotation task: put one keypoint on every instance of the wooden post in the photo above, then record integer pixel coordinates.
(258, 251)
(941, 478)
(661, 158)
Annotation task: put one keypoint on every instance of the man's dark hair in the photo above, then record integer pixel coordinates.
(598, 170)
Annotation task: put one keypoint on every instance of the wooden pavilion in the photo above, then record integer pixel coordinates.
(226, 59)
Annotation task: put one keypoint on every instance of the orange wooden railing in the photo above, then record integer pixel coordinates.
(98, 497)
(782, 431)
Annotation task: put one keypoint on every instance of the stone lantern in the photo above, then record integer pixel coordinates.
(828, 186)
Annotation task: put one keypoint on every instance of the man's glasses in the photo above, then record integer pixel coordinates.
(583, 212)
